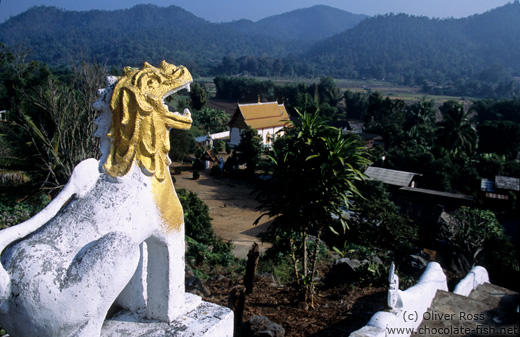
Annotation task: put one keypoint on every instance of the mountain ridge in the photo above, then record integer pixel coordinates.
(294, 25)
(399, 43)
(480, 52)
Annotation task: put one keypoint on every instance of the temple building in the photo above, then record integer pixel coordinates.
(268, 118)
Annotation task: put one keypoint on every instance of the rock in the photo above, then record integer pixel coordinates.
(459, 264)
(414, 264)
(347, 267)
(194, 285)
(376, 260)
(271, 279)
(417, 262)
(260, 326)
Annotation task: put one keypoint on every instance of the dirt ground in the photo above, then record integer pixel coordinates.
(231, 206)
(341, 307)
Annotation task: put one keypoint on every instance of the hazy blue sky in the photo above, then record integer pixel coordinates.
(228, 10)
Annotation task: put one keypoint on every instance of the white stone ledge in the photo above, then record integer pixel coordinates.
(206, 320)
(477, 276)
(416, 301)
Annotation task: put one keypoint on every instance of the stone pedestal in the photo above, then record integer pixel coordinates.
(205, 320)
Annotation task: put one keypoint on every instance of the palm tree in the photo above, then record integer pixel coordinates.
(420, 121)
(456, 132)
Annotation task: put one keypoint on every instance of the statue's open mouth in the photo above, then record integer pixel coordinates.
(173, 118)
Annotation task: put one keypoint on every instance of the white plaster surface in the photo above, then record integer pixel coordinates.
(64, 276)
(415, 300)
(101, 241)
(477, 276)
(206, 320)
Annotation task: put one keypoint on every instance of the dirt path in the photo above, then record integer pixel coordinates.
(231, 206)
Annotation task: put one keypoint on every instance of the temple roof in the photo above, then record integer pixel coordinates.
(261, 115)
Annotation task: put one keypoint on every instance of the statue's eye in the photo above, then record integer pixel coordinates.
(152, 83)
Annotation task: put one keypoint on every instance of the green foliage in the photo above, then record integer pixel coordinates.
(210, 120)
(328, 164)
(356, 104)
(203, 246)
(51, 115)
(497, 110)
(420, 122)
(372, 271)
(220, 145)
(313, 172)
(455, 132)
(471, 229)
(196, 217)
(249, 149)
(182, 143)
(445, 152)
(500, 137)
(216, 171)
(324, 95)
(475, 56)
(198, 96)
(385, 117)
(245, 89)
(144, 32)
(196, 175)
(277, 264)
(218, 253)
(377, 222)
(419, 50)
(13, 213)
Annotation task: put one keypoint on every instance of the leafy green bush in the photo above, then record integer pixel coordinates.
(216, 171)
(196, 217)
(196, 175)
(203, 246)
(219, 146)
(377, 222)
(13, 213)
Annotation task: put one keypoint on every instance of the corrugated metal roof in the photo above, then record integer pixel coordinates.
(391, 177)
(264, 115)
(438, 193)
(507, 183)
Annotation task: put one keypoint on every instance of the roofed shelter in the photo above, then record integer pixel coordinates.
(267, 118)
(391, 177)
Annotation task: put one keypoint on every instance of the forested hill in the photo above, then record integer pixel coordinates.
(148, 32)
(408, 48)
(307, 24)
(475, 56)
(128, 37)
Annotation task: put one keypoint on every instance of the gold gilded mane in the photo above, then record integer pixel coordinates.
(141, 121)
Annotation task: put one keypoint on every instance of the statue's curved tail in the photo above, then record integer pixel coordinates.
(82, 180)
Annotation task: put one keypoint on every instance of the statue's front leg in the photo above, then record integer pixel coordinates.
(165, 281)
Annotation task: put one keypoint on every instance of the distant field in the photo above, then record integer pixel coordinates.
(387, 89)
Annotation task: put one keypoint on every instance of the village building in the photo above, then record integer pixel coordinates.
(268, 118)
(391, 177)
(500, 187)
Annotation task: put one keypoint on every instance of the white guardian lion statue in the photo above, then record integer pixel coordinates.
(115, 234)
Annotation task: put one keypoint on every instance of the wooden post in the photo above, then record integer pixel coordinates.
(252, 264)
